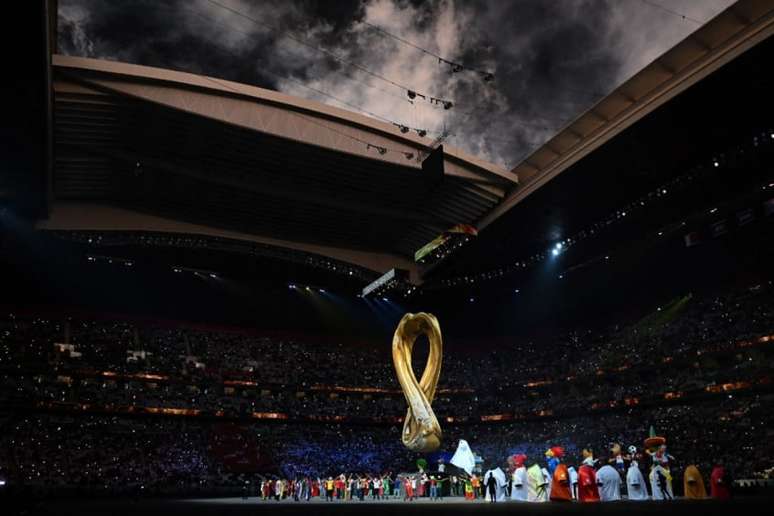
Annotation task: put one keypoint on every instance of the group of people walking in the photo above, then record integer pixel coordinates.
(602, 481)
(550, 479)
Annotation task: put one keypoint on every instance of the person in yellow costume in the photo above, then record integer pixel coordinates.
(469, 490)
(693, 484)
(537, 489)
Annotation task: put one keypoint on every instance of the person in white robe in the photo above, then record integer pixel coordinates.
(635, 483)
(500, 483)
(548, 479)
(519, 487)
(573, 481)
(463, 458)
(609, 482)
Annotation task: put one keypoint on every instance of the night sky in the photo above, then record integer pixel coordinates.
(551, 59)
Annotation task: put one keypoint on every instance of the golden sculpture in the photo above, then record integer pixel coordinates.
(421, 430)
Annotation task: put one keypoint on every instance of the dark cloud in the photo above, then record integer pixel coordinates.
(552, 60)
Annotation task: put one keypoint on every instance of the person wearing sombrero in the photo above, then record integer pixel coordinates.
(660, 477)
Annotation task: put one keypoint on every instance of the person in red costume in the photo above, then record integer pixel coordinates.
(720, 483)
(587, 479)
(560, 482)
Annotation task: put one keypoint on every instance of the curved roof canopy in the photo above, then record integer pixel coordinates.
(183, 152)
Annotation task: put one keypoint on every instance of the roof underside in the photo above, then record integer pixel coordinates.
(135, 153)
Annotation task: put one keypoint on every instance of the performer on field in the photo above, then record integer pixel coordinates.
(538, 485)
(660, 476)
(693, 484)
(635, 482)
(573, 482)
(560, 481)
(720, 483)
(519, 486)
(587, 479)
(609, 483)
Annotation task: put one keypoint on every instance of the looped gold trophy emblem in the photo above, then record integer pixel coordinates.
(421, 430)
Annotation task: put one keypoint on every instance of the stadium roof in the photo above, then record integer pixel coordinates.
(140, 148)
(145, 148)
(743, 25)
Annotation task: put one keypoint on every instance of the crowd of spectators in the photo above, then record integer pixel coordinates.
(176, 454)
(75, 394)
